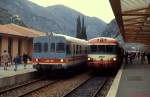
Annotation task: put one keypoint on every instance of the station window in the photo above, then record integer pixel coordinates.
(45, 47)
(60, 47)
(52, 47)
(37, 47)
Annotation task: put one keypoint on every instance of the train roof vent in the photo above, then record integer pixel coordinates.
(51, 33)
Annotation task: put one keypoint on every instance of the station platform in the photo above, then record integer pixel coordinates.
(132, 80)
(11, 72)
(10, 77)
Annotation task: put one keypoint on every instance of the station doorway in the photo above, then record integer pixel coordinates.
(10, 44)
(20, 47)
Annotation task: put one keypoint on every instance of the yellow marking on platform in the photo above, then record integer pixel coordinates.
(114, 87)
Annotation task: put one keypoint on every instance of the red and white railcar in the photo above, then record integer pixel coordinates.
(104, 53)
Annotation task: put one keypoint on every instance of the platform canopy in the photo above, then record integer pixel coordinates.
(133, 18)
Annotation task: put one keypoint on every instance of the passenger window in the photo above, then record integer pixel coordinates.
(52, 47)
(45, 47)
(83, 50)
(77, 50)
(37, 47)
(60, 47)
(80, 49)
(74, 49)
(68, 50)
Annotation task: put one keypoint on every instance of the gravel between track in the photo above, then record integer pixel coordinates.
(60, 88)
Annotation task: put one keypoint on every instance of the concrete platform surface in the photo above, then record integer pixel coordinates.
(135, 80)
(20, 70)
(10, 77)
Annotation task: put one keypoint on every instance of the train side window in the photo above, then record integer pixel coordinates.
(45, 47)
(74, 49)
(68, 50)
(60, 47)
(86, 50)
(77, 49)
(82, 50)
(52, 47)
(37, 47)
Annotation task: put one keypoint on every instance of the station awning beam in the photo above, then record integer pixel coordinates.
(116, 7)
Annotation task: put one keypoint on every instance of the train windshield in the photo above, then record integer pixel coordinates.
(103, 49)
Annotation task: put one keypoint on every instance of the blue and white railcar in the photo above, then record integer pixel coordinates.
(57, 51)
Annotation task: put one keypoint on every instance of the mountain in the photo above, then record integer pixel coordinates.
(56, 18)
(112, 31)
(4, 16)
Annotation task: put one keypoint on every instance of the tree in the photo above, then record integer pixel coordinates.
(78, 28)
(16, 19)
(81, 30)
(84, 33)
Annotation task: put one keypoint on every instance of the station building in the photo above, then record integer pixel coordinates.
(17, 39)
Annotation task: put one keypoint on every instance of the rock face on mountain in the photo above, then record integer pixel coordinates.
(56, 18)
(112, 30)
(4, 16)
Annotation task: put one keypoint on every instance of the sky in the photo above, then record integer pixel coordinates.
(93, 8)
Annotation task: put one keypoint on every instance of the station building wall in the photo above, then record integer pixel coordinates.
(16, 45)
(17, 39)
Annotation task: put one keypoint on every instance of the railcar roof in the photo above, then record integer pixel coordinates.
(68, 38)
(72, 39)
(108, 38)
(103, 41)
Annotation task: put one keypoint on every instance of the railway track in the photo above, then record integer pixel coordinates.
(89, 88)
(26, 88)
(78, 86)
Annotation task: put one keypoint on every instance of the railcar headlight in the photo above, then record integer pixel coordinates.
(89, 59)
(61, 60)
(36, 60)
(114, 59)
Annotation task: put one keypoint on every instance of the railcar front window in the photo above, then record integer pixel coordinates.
(60, 47)
(101, 49)
(111, 48)
(37, 47)
(93, 48)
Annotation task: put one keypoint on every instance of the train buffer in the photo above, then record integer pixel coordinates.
(132, 80)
